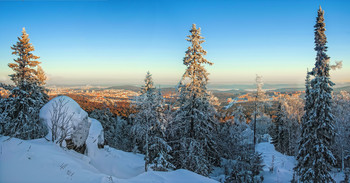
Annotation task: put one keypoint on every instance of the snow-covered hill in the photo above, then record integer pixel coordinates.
(36, 161)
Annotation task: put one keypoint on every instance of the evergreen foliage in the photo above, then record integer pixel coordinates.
(149, 128)
(280, 136)
(41, 76)
(315, 158)
(308, 99)
(231, 135)
(26, 62)
(194, 124)
(20, 110)
(286, 128)
(247, 169)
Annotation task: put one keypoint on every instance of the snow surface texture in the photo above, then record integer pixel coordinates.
(280, 170)
(95, 138)
(77, 119)
(41, 161)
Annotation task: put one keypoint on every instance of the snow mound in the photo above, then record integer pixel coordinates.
(41, 161)
(95, 138)
(64, 113)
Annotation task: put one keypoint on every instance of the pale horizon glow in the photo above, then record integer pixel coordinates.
(116, 43)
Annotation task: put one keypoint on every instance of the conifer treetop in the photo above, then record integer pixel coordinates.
(195, 52)
(25, 62)
(149, 85)
(194, 60)
(322, 59)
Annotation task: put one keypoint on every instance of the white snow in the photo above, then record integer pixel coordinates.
(78, 124)
(282, 165)
(95, 137)
(41, 161)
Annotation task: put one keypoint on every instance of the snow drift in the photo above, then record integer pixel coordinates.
(41, 161)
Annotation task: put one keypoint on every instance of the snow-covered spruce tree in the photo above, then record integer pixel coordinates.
(194, 123)
(146, 112)
(159, 150)
(149, 128)
(26, 98)
(286, 129)
(149, 85)
(315, 158)
(280, 132)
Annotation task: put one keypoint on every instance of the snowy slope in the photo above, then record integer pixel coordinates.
(282, 164)
(36, 161)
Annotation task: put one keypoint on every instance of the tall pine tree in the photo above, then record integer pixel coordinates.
(315, 158)
(194, 124)
(21, 108)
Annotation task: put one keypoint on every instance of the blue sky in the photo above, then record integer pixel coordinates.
(117, 42)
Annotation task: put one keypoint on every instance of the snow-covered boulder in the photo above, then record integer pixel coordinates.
(95, 139)
(67, 122)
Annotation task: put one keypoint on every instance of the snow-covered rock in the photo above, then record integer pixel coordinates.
(68, 115)
(95, 139)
